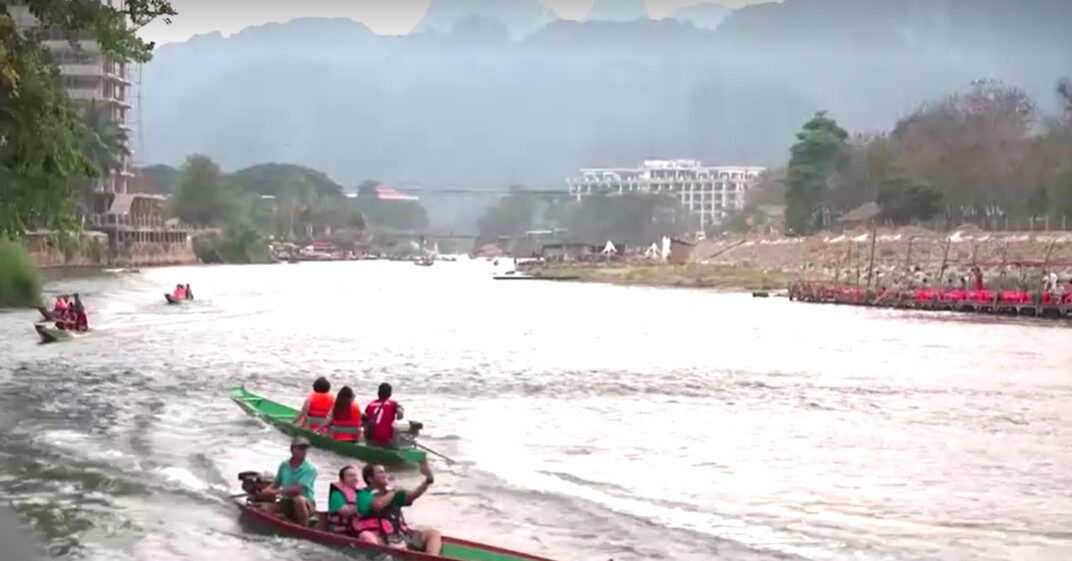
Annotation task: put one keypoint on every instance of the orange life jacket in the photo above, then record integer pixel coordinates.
(320, 405)
(347, 430)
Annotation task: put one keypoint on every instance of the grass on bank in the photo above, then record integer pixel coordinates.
(693, 275)
(20, 283)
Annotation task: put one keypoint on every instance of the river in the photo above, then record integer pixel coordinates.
(589, 422)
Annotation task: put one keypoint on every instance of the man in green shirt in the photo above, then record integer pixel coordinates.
(294, 485)
(382, 505)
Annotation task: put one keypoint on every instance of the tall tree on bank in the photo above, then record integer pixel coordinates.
(42, 152)
(201, 196)
(818, 154)
(512, 215)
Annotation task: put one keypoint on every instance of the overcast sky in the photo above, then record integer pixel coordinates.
(383, 16)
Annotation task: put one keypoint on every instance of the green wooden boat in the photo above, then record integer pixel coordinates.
(53, 335)
(282, 417)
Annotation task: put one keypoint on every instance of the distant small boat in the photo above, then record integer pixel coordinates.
(424, 262)
(760, 294)
(175, 301)
(514, 275)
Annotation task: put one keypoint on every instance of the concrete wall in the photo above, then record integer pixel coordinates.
(96, 251)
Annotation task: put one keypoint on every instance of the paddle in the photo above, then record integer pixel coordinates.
(429, 450)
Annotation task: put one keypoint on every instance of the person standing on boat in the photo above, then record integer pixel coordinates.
(380, 416)
(344, 421)
(317, 407)
(379, 511)
(189, 293)
(81, 321)
(294, 484)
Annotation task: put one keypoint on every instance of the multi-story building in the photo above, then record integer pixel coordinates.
(90, 79)
(708, 192)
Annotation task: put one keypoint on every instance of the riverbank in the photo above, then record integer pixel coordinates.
(693, 275)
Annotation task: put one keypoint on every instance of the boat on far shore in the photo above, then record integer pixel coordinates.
(538, 276)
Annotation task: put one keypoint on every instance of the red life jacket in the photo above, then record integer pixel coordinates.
(339, 523)
(381, 418)
(320, 405)
(387, 522)
(347, 430)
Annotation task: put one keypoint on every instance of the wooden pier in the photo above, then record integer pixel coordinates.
(993, 302)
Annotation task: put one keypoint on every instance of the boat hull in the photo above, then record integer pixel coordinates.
(453, 548)
(282, 417)
(52, 335)
(172, 300)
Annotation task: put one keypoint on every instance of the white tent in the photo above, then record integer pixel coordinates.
(653, 252)
(609, 249)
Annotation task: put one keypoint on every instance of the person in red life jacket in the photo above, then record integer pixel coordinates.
(179, 293)
(314, 412)
(344, 421)
(380, 416)
(379, 512)
(59, 307)
(292, 492)
(342, 505)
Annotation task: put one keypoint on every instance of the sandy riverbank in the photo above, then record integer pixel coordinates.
(693, 275)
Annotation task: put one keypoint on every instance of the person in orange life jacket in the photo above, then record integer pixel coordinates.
(344, 421)
(381, 416)
(315, 410)
(342, 506)
(292, 490)
(379, 512)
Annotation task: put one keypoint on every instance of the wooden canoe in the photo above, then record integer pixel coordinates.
(282, 417)
(172, 300)
(453, 548)
(54, 335)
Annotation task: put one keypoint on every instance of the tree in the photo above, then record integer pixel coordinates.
(42, 152)
(1063, 191)
(972, 145)
(817, 155)
(903, 202)
(201, 197)
(634, 219)
(512, 215)
(104, 141)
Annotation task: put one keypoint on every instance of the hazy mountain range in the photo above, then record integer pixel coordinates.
(466, 101)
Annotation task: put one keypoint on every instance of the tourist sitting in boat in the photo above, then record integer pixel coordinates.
(379, 512)
(179, 293)
(314, 412)
(380, 416)
(344, 421)
(292, 491)
(59, 307)
(189, 293)
(342, 506)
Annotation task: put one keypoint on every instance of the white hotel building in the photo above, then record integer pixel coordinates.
(709, 192)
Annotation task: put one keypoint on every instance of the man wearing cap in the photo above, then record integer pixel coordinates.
(294, 485)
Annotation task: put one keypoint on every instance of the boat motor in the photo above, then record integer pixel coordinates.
(254, 483)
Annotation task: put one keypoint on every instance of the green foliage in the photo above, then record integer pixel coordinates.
(162, 177)
(42, 139)
(634, 219)
(287, 182)
(239, 243)
(202, 198)
(817, 155)
(104, 141)
(903, 202)
(512, 215)
(20, 283)
(1062, 192)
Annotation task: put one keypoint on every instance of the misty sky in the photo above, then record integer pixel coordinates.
(383, 16)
